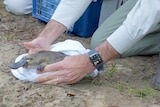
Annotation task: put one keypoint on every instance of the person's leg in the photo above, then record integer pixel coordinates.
(18, 7)
(112, 23)
(150, 44)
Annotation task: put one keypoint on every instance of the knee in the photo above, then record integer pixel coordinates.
(97, 39)
(18, 7)
(94, 42)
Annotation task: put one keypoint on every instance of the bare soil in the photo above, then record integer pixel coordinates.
(125, 82)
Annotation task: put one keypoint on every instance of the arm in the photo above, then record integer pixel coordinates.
(67, 12)
(142, 18)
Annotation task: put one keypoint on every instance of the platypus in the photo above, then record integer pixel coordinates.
(38, 60)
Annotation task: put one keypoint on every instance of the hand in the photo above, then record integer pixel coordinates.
(68, 71)
(40, 43)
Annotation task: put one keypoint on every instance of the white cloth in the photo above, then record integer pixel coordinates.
(68, 47)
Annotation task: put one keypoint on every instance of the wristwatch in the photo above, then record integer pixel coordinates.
(96, 59)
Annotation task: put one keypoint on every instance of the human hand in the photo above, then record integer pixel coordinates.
(68, 71)
(40, 43)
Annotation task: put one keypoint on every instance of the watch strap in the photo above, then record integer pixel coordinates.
(96, 59)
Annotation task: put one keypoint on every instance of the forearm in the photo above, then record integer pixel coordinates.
(106, 51)
(52, 31)
(62, 20)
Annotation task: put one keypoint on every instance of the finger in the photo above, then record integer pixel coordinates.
(48, 77)
(52, 77)
(50, 80)
(55, 81)
(63, 80)
(28, 45)
(44, 78)
(33, 50)
(53, 67)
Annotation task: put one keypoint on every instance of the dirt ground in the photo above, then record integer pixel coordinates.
(123, 83)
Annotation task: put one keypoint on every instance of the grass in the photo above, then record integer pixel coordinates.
(143, 93)
(111, 71)
(121, 87)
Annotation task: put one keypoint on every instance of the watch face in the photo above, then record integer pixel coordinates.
(96, 59)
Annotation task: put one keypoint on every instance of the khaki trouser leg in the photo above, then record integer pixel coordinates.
(150, 44)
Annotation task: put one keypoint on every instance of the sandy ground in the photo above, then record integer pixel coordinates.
(126, 84)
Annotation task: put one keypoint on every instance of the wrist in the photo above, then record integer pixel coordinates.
(89, 66)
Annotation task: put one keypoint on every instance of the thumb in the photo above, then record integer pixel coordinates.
(28, 45)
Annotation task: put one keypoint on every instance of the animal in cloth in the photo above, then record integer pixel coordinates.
(38, 60)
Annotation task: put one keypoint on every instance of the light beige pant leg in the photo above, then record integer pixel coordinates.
(18, 7)
(150, 44)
